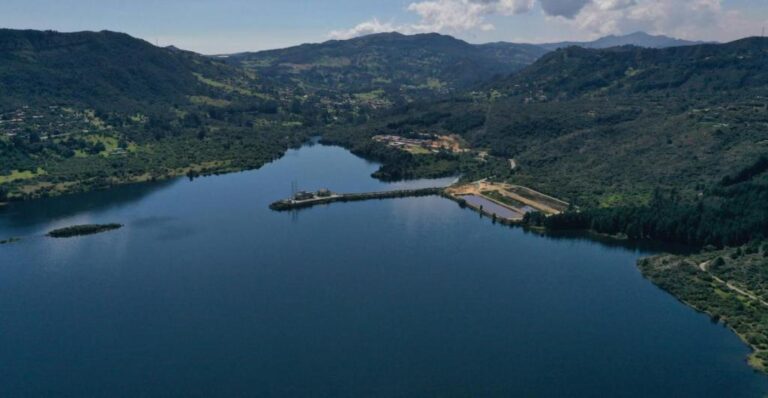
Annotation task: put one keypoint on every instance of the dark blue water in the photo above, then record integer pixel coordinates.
(206, 292)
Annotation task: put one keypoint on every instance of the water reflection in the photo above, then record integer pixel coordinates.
(38, 212)
(206, 292)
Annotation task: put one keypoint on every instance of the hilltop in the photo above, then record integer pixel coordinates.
(103, 70)
(382, 70)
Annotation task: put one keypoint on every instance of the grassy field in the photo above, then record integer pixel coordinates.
(222, 86)
(203, 100)
(20, 175)
(504, 199)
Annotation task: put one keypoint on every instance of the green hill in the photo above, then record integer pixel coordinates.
(383, 70)
(616, 128)
(88, 110)
(696, 70)
(103, 70)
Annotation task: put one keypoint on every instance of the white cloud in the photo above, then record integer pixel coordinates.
(692, 19)
(442, 16)
(459, 15)
(367, 28)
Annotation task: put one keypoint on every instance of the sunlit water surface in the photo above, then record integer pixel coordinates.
(206, 292)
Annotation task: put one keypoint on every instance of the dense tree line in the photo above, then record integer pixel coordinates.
(725, 217)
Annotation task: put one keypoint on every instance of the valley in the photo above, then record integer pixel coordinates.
(663, 143)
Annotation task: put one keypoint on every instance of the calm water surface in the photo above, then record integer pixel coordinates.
(206, 292)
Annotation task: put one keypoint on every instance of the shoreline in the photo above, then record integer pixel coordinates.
(36, 190)
(706, 293)
(751, 360)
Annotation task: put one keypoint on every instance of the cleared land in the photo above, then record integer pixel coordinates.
(515, 197)
(424, 144)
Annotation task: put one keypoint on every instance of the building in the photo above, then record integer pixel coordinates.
(303, 195)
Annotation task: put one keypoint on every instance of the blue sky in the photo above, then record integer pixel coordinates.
(224, 26)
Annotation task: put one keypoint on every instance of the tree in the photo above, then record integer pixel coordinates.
(97, 148)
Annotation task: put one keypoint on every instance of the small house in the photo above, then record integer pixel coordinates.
(303, 195)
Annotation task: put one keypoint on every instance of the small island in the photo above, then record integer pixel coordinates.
(79, 230)
(9, 241)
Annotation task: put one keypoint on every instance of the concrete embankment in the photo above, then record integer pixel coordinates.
(485, 211)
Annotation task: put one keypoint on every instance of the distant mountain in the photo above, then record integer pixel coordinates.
(100, 70)
(387, 67)
(639, 39)
(707, 68)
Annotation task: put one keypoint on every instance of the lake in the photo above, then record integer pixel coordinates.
(206, 292)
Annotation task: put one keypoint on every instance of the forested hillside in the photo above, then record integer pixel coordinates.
(381, 71)
(691, 70)
(88, 110)
(600, 128)
(102, 70)
(621, 128)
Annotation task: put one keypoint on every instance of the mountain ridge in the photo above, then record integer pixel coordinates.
(93, 67)
(697, 68)
(639, 39)
(412, 60)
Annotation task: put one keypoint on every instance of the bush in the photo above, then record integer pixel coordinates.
(736, 254)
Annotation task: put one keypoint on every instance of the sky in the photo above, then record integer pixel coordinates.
(227, 26)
